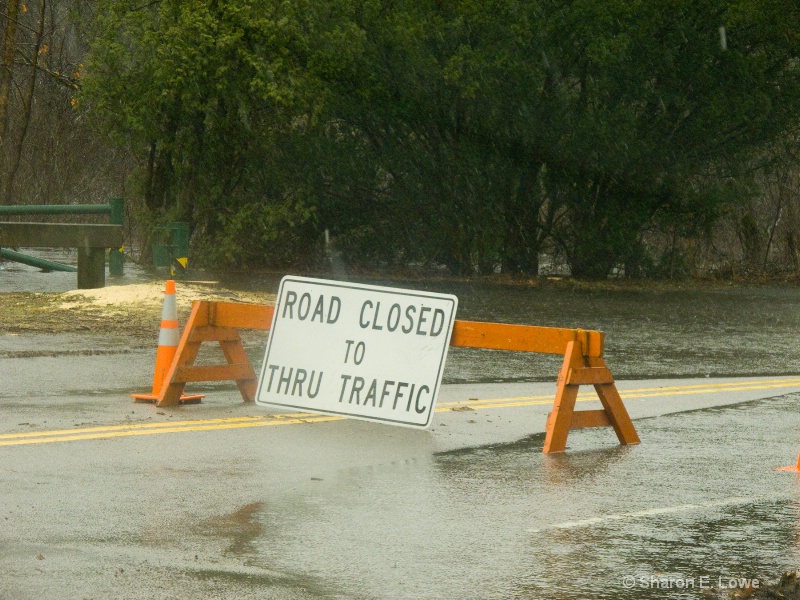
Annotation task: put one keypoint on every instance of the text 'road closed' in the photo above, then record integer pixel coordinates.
(356, 350)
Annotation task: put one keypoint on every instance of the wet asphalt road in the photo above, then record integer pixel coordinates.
(104, 498)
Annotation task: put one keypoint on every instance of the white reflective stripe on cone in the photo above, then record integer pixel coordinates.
(169, 336)
(170, 310)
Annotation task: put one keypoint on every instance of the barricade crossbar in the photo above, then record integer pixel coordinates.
(583, 363)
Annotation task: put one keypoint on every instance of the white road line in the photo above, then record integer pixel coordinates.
(650, 512)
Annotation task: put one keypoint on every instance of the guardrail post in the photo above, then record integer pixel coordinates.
(116, 255)
(91, 268)
(91, 250)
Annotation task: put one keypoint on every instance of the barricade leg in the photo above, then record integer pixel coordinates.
(559, 420)
(615, 410)
(234, 353)
(578, 370)
(201, 327)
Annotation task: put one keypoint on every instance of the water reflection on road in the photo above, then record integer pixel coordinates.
(696, 502)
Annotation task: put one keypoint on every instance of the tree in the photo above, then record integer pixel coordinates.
(209, 95)
(469, 134)
(49, 154)
(657, 107)
(7, 68)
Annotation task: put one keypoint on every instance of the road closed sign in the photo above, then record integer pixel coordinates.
(361, 351)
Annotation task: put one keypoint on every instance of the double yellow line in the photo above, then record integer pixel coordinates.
(137, 429)
(134, 429)
(675, 390)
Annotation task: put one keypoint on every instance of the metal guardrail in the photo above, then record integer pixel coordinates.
(66, 209)
(91, 240)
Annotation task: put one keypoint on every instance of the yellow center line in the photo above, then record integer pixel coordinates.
(677, 390)
(625, 395)
(250, 420)
(80, 435)
(138, 429)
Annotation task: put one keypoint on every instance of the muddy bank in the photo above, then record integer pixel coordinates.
(123, 310)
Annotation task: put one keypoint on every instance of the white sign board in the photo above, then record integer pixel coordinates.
(355, 350)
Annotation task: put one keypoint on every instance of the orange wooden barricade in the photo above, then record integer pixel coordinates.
(582, 349)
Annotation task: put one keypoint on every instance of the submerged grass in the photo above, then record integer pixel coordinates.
(30, 312)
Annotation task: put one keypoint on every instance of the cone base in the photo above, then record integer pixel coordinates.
(152, 398)
(792, 469)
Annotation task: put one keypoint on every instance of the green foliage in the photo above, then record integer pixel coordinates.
(473, 134)
(204, 91)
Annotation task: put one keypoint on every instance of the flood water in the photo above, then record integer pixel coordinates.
(716, 331)
(713, 331)
(678, 333)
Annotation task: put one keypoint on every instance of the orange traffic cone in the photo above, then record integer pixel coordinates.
(792, 468)
(168, 339)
